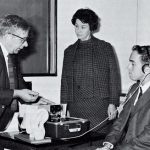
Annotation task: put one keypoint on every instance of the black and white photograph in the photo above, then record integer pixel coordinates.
(74, 75)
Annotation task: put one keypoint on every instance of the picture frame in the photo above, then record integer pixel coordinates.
(42, 60)
(40, 57)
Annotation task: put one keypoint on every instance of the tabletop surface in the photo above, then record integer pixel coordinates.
(17, 141)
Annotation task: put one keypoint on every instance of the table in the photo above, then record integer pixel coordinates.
(8, 140)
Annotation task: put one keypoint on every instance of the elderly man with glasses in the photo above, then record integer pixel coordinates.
(13, 37)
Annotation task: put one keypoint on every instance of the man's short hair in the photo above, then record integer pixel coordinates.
(9, 23)
(144, 51)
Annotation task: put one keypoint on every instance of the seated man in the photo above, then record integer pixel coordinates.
(131, 131)
(13, 37)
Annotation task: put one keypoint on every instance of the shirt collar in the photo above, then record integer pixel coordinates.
(145, 87)
(5, 52)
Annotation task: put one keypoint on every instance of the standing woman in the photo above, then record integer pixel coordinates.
(90, 83)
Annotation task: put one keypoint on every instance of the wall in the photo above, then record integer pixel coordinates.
(118, 26)
(143, 22)
(37, 16)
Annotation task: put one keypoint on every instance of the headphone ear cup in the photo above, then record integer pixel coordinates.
(144, 66)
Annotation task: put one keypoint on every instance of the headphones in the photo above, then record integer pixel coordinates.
(144, 66)
(144, 51)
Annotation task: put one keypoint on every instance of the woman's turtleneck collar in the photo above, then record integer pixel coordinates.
(86, 41)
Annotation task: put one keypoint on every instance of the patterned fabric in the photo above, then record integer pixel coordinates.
(12, 72)
(83, 107)
(93, 110)
(90, 80)
(13, 79)
(106, 75)
(83, 68)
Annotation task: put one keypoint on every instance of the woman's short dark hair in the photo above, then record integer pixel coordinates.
(86, 16)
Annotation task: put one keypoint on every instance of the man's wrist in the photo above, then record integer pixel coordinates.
(16, 93)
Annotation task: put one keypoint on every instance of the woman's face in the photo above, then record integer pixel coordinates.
(82, 30)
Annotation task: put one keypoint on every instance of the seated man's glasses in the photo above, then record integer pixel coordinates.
(22, 39)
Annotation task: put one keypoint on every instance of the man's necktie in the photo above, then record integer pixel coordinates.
(13, 79)
(139, 95)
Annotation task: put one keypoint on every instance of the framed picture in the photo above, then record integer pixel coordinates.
(40, 57)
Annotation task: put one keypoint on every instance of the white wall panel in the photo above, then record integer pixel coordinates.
(143, 30)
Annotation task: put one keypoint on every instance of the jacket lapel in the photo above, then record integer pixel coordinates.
(143, 100)
(72, 58)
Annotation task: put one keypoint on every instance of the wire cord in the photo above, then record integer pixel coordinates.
(117, 110)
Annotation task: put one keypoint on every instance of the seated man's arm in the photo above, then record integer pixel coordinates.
(141, 142)
(117, 128)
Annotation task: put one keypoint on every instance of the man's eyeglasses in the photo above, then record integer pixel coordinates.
(22, 39)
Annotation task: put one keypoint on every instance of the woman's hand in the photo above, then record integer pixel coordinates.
(112, 111)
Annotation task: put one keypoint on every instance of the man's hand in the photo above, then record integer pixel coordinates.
(26, 95)
(43, 101)
(112, 111)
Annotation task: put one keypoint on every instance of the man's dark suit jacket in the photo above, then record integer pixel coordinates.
(132, 129)
(6, 94)
(106, 78)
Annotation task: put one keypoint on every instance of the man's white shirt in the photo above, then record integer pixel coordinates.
(144, 88)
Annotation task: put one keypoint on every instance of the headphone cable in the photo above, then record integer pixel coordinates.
(122, 105)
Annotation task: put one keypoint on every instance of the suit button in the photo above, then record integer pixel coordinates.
(78, 86)
(3, 106)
